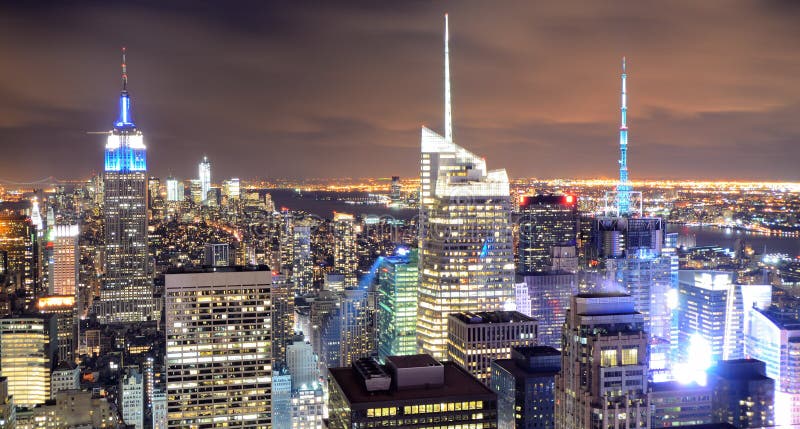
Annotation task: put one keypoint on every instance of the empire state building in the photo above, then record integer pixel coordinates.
(127, 291)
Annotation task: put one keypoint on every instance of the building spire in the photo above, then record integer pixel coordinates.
(124, 70)
(448, 107)
(124, 120)
(624, 187)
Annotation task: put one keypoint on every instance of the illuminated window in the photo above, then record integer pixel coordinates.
(630, 356)
(608, 357)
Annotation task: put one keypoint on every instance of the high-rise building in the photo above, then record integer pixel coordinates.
(648, 279)
(158, 411)
(175, 190)
(302, 259)
(127, 292)
(774, 339)
(308, 409)
(394, 191)
(196, 191)
(710, 311)
(302, 364)
(545, 221)
(64, 265)
(26, 355)
(743, 394)
(604, 365)
(345, 252)
(18, 245)
(474, 340)
(8, 415)
(281, 399)
(282, 320)
(66, 376)
(466, 255)
(676, 404)
(525, 387)
(62, 308)
(217, 254)
(548, 296)
(204, 177)
(231, 189)
(131, 397)
(155, 202)
(409, 391)
(398, 281)
(357, 335)
(219, 341)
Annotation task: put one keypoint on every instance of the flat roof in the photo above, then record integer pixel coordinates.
(413, 361)
(458, 385)
(517, 371)
(492, 317)
(208, 269)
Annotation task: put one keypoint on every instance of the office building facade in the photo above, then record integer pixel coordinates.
(219, 348)
(398, 281)
(604, 365)
(474, 340)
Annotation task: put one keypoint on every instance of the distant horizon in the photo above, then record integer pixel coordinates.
(7, 183)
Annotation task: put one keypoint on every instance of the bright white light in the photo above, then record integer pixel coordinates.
(402, 251)
(672, 299)
(699, 352)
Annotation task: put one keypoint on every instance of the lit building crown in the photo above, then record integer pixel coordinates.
(125, 149)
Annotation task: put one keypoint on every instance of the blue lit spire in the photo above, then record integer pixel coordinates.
(624, 187)
(125, 120)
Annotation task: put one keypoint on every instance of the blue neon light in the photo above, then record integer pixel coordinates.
(124, 120)
(125, 159)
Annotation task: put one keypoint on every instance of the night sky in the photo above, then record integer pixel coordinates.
(317, 89)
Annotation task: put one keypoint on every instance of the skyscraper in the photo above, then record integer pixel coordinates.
(774, 339)
(131, 397)
(548, 296)
(175, 190)
(397, 304)
(525, 387)
(743, 394)
(603, 365)
(474, 340)
(204, 176)
(126, 294)
(546, 221)
(26, 355)
(64, 266)
(18, 243)
(466, 250)
(302, 259)
(345, 253)
(219, 341)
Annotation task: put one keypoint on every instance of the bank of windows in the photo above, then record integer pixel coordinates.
(439, 408)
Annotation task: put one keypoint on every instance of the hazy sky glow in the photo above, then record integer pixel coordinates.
(317, 89)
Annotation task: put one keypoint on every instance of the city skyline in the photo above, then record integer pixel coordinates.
(546, 77)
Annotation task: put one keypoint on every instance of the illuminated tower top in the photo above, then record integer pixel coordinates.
(124, 121)
(448, 107)
(624, 187)
(125, 149)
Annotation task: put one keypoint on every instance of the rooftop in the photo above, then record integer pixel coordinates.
(458, 384)
(413, 361)
(208, 269)
(492, 317)
(520, 372)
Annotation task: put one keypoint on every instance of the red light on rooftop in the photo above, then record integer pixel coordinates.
(569, 199)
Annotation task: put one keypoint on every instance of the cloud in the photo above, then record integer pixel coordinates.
(307, 89)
